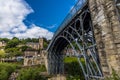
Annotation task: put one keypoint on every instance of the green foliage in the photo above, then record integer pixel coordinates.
(29, 40)
(12, 43)
(70, 59)
(114, 76)
(12, 47)
(45, 45)
(22, 41)
(23, 48)
(2, 53)
(31, 74)
(13, 52)
(35, 40)
(6, 69)
(72, 68)
(4, 39)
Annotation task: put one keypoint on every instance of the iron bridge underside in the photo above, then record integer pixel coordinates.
(79, 35)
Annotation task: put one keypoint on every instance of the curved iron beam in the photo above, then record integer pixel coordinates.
(76, 53)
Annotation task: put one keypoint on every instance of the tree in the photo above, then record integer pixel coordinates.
(31, 74)
(4, 39)
(6, 69)
(45, 44)
(2, 53)
(23, 48)
(35, 40)
(13, 52)
(22, 41)
(12, 43)
(28, 40)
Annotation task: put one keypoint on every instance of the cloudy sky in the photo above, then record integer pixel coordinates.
(32, 18)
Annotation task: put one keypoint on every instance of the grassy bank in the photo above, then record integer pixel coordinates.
(73, 69)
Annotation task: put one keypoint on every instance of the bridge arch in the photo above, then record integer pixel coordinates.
(90, 24)
(77, 34)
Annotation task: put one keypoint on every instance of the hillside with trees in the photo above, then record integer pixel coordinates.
(16, 47)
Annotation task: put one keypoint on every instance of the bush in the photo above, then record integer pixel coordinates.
(114, 76)
(72, 68)
(2, 53)
(31, 74)
(6, 69)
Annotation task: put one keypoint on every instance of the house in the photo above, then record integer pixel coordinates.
(2, 43)
(33, 45)
(34, 55)
(30, 56)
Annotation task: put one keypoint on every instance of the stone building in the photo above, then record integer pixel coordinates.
(41, 43)
(2, 44)
(70, 52)
(35, 55)
(33, 45)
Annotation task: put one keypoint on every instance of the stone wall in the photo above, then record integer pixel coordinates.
(107, 34)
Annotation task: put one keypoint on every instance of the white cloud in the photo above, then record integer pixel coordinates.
(52, 26)
(6, 34)
(35, 32)
(12, 14)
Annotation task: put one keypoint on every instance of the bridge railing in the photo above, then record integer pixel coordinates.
(69, 17)
(71, 14)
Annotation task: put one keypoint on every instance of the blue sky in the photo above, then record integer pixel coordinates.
(48, 13)
(32, 18)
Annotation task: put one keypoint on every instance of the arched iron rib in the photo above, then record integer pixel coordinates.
(76, 53)
(85, 56)
(79, 45)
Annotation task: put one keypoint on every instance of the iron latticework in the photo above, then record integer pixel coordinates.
(117, 2)
(78, 33)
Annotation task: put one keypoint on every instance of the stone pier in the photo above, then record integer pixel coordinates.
(106, 27)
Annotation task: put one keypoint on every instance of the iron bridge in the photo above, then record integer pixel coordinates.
(77, 32)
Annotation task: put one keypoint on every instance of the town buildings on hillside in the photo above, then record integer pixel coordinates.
(2, 43)
(34, 55)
